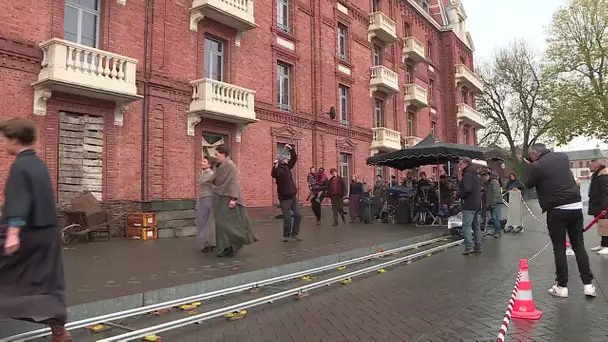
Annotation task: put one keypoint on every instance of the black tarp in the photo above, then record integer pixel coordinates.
(431, 151)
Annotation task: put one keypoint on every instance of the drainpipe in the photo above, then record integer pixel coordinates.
(144, 110)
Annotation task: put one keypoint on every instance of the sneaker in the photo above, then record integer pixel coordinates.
(596, 248)
(285, 238)
(319, 223)
(603, 251)
(497, 235)
(296, 238)
(589, 290)
(477, 251)
(468, 251)
(558, 291)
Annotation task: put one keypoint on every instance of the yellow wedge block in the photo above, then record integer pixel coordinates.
(346, 281)
(99, 328)
(382, 270)
(341, 268)
(151, 338)
(236, 315)
(429, 254)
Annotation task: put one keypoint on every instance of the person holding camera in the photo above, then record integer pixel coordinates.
(560, 197)
(288, 194)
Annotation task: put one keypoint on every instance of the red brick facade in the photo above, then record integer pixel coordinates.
(175, 56)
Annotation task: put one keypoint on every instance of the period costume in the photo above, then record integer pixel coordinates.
(336, 190)
(318, 193)
(205, 223)
(232, 226)
(32, 282)
(354, 200)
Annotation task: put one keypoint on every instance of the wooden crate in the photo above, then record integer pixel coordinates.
(142, 233)
(141, 219)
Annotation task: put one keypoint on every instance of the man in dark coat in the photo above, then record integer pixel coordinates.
(598, 197)
(469, 191)
(560, 197)
(32, 282)
(288, 194)
(336, 190)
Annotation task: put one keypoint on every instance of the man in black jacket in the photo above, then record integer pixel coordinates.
(598, 197)
(288, 194)
(560, 197)
(469, 191)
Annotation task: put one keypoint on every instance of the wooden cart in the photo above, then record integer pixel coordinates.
(85, 218)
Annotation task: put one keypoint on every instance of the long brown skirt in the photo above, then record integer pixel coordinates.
(232, 225)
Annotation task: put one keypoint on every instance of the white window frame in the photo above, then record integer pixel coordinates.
(283, 21)
(431, 87)
(378, 113)
(377, 55)
(375, 7)
(281, 91)
(79, 23)
(411, 122)
(342, 42)
(433, 128)
(465, 136)
(344, 93)
(213, 54)
(346, 165)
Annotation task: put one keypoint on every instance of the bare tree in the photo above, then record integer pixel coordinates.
(514, 102)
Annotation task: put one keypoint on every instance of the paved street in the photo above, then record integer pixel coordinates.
(446, 297)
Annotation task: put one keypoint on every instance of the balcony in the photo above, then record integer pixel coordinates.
(85, 71)
(383, 79)
(411, 140)
(415, 96)
(220, 101)
(382, 27)
(467, 78)
(385, 140)
(413, 50)
(469, 115)
(237, 14)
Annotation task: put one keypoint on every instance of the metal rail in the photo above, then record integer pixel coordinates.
(267, 299)
(209, 295)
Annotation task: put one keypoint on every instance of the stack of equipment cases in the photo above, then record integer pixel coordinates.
(142, 226)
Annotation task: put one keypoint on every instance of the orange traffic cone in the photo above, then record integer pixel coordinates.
(524, 307)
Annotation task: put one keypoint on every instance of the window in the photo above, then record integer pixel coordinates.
(429, 50)
(81, 22)
(374, 6)
(379, 172)
(431, 87)
(571, 165)
(426, 5)
(464, 97)
(580, 164)
(588, 163)
(283, 86)
(345, 169)
(282, 151)
(343, 104)
(409, 74)
(407, 30)
(378, 114)
(411, 129)
(465, 136)
(433, 127)
(214, 59)
(283, 15)
(377, 55)
(342, 49)
(474, 136)
(584, 173)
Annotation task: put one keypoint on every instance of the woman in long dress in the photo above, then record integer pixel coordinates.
(205, 223)
(232, 226)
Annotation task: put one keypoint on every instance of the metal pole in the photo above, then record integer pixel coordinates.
(210, 295)
(263, 300)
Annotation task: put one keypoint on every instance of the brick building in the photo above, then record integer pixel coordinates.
(129, 93)
(580, 161)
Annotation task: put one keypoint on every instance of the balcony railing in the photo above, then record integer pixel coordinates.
(85, 71)
(413, 49)
(384, 79)
(412, 140)
(237, 14)
(221, 101)
(415, 96)
(382, 27)
(385, 140)
(470, 115)
(468, 78)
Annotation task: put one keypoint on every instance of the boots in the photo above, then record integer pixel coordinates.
(60, 334)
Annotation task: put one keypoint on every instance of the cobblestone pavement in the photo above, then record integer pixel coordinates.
(445, 297)
(103, 270)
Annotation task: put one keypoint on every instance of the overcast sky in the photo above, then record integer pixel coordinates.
(495, 23)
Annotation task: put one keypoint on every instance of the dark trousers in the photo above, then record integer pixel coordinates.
(337, 207)
(570, 222)
(287, 206)
(316, 208)
(604, 241)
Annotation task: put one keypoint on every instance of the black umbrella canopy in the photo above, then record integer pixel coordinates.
(431, 151)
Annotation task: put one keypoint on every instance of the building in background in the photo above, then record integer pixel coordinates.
(128, 94)
(581, 160)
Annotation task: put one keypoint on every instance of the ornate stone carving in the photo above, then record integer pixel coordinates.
(41, 95)
(346, 145)
(240, 128)
(239, 36)
(193, 120)
(119, 113)
(195, 17)
(121, 2)
(285, 132)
